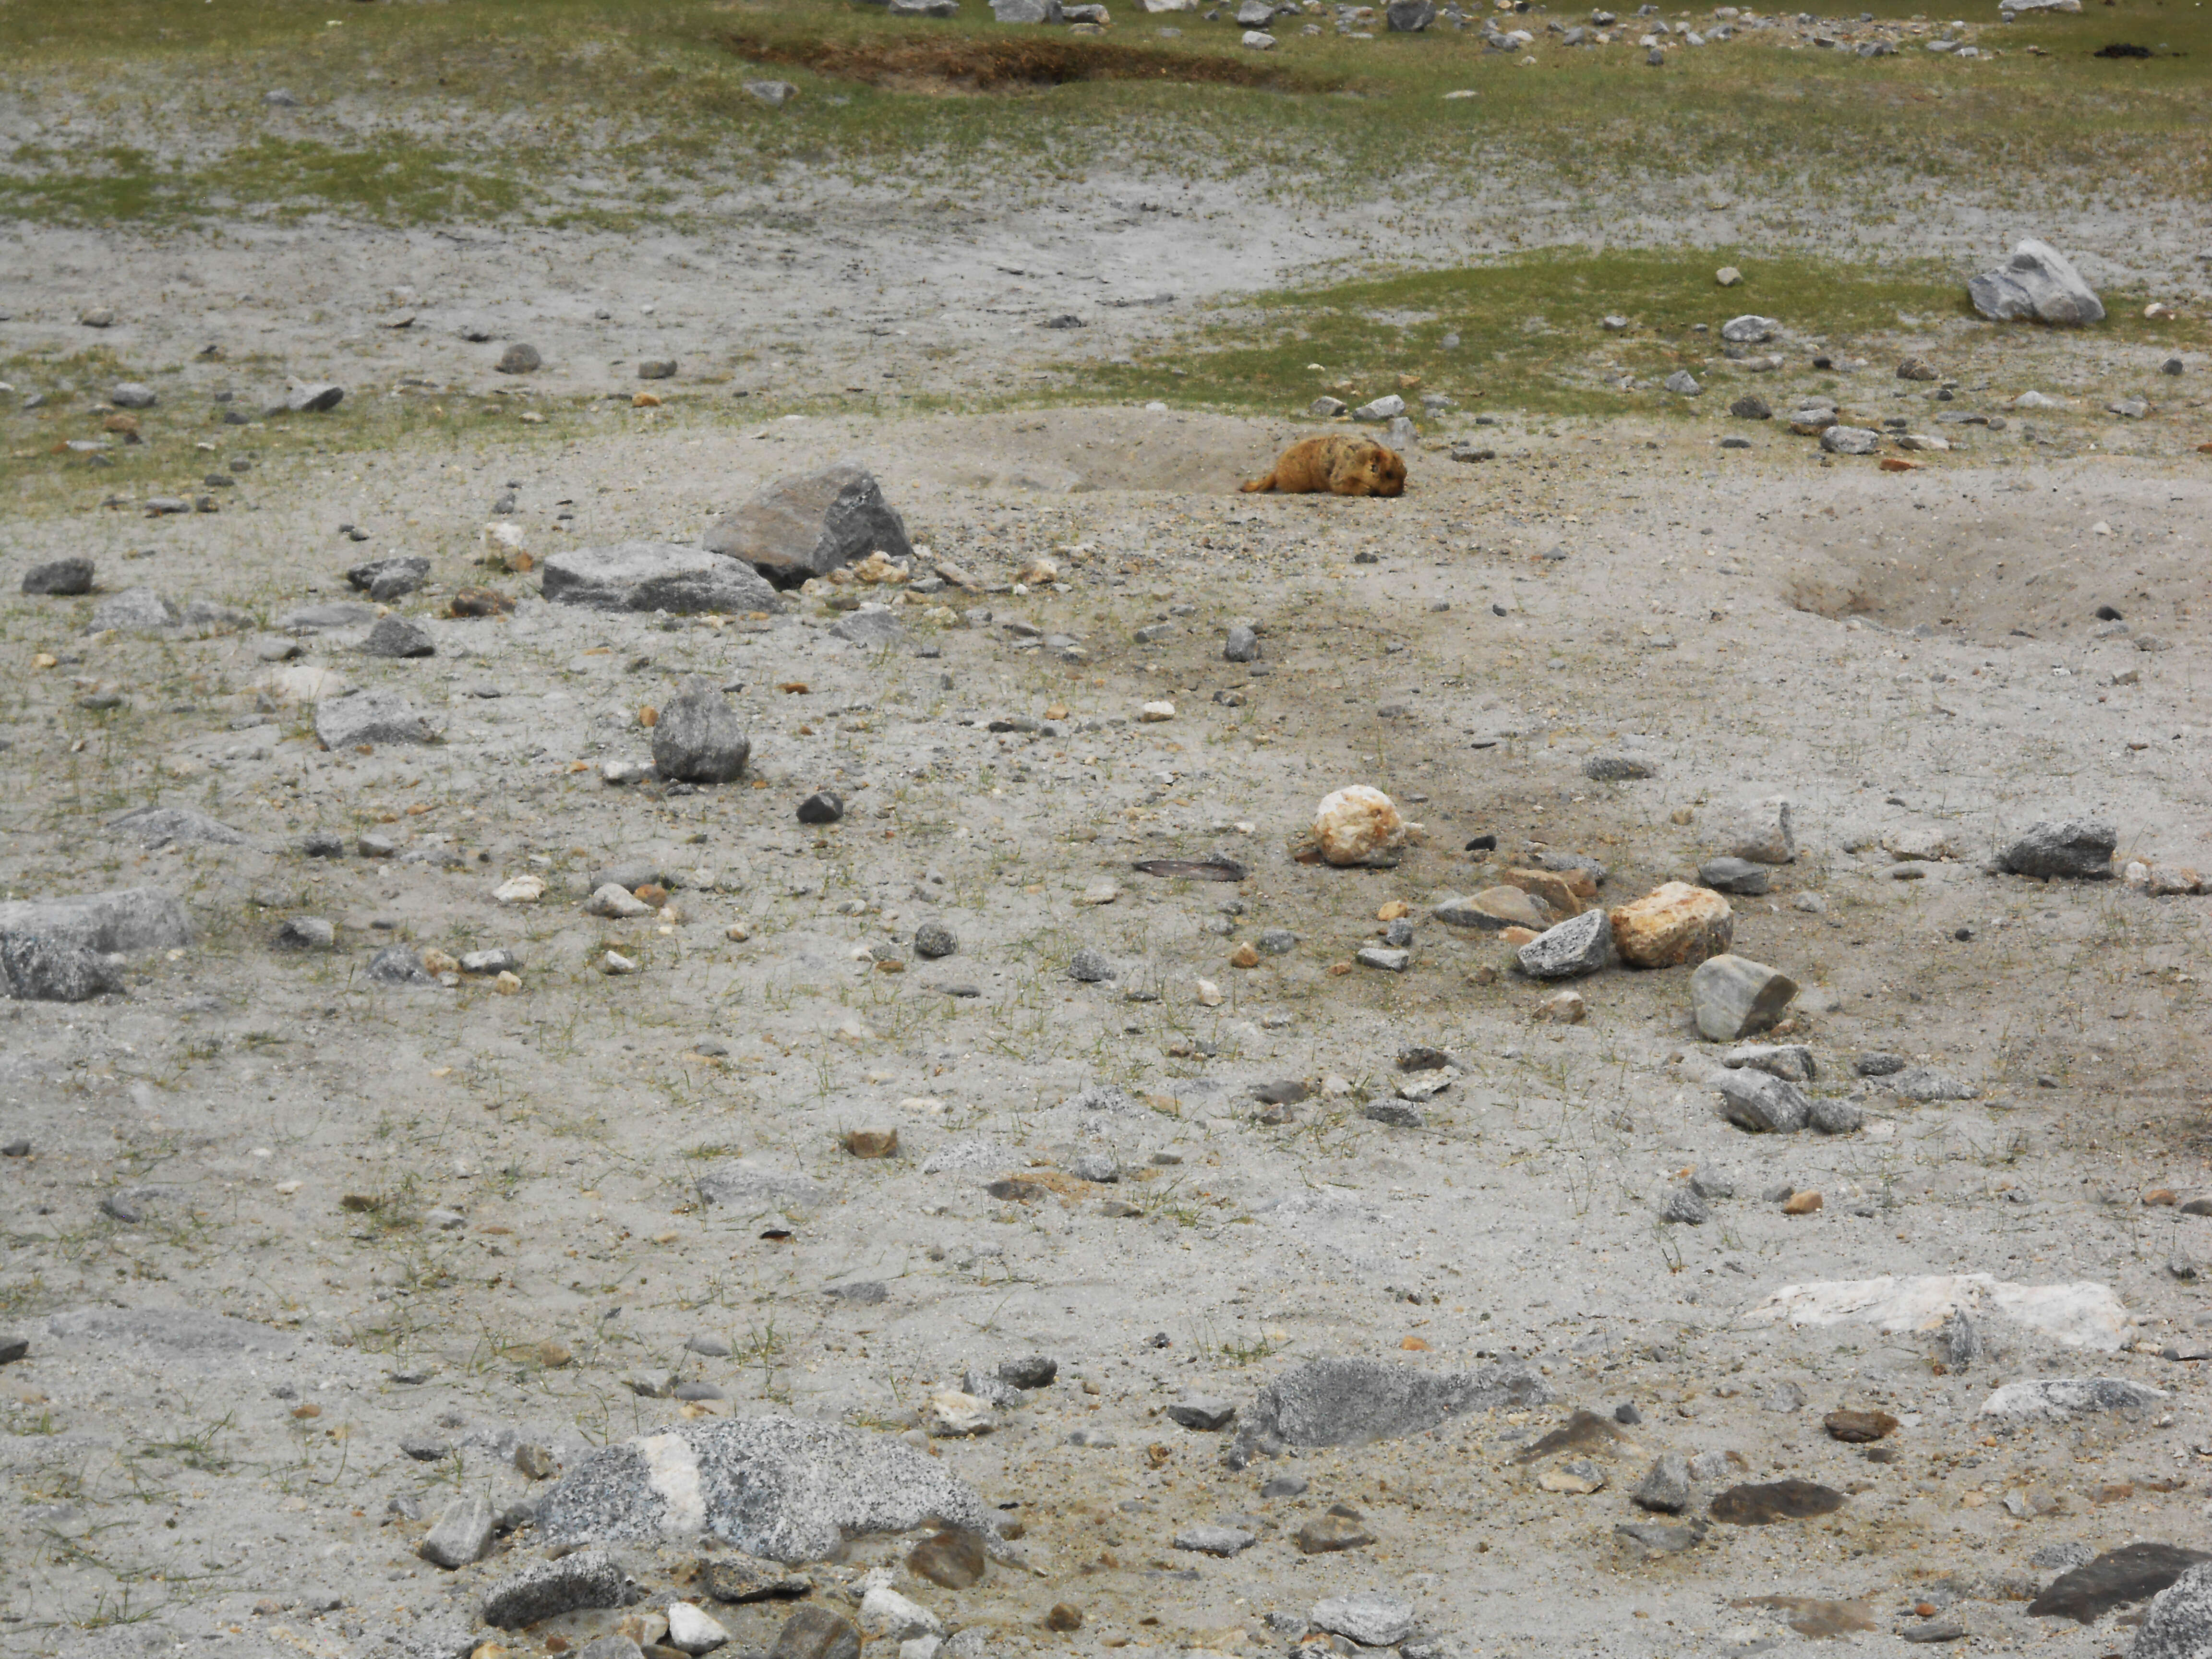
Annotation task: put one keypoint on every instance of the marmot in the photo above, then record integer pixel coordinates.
(1338, 463)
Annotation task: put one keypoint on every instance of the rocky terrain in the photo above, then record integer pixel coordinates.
(632, 1030)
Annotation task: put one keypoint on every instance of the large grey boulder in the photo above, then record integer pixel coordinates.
(774, 1486)
(2079, 848)
(2178, 1623)
(372, 717)
(39, 967)
(700, 737)
(127, 919)
(655, 576)
(1351, 1402)
(155, 827)
(2038, 283)
(810, 525)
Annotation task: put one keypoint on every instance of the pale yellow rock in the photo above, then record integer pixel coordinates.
(507, 984)
(953, 1415)
(1154, 711)
(1356, 825)
(1209, 993)
(520, 889)
(1563, 1008)
(1674, 923)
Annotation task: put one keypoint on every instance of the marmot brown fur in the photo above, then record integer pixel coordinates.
(1339, 464)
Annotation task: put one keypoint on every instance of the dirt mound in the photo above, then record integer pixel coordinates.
(1017, 66)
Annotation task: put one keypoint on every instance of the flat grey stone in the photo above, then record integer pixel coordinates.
(2077, 848)
(1761, 1102)
(743, 1185)
(390, 578)
(1389, 960)
(809, 524)
(1741, 876)
(1925, 1084)
(654, 576)
(1350, 1402)
(133, 610)
(41, 967)
(1369, 1618)
(59, 577)
(309, 397)
(373, 717)
(155, 827)
(461, 1536)
(2056, 1398)
(1198, 1411)
(545, 1589)
(1618, 769)
(187, 1336)
(397, 964)
(305, 933)
(1833, 1115)
(1580, 944)
(1748, 329)
(1207, 1540)
(1685, 1205)
(335, 613)
(1850, 440)
(1656, 1538)
(1791, 1061)
(773, 1487)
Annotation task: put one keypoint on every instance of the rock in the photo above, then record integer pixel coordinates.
(773, 1487)
(1850, 440)
(1732, 996)
(657, 368)
(1563, 1008)
(1409, 16)
(1205, 1539)
(390, 578)
(1748, 329)
(1650, 1539)
(134, 609)
(616, 904)
(700, 737)
(655, 576)
(1240, 645)
(810, 525)
(953, 1415)
(1917, 368)
(121, 921)
(1618, 769)
(1751, 407)
(822, 806)
(2057, 1399)
(773, 94)
(1674, 923)
(395, 965)
(874, 627)
(1064, 1616)
(2037, 282)
(462, 1535)
(1831, 1116)
(1666, 1485)
(305, 933)
(360, 717)
(1687, 1206)
(398, 637)
(1328, 1535)
(519, 890)
(745, 1579)
(13, 1345)
(1388, 408)
(1738, 876)
(2118, 1578)
(545, 1589)
(1762, 1505)
(1350, 1402)
(1369, 1617)
(155, 827)
(1760, 832)
(951, 1558)
(1358, 825)
(886, 1612)
(1858, 1428)
(1925, 1084)
(816, 1633)
(2079, 849)
(41, 967)
(519, 359)
(1582, 944)
(1761, 1103)
(1389, 958)
(133, 394)
(933, 939)
(308, 397)
(59, 577)
(1578, 1478)
(692, 1630)
(1493, 909)
(1206, 1415)
(1949, 1628)
(311, 618)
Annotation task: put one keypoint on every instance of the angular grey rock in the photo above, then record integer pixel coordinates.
(2080, 849)
(1090, 966)
(876, 629)
(545, 1589)
(1651, 1538)
(1369, 1617)
(1199, 1412)
(1034, 1371)
(614, 1646)
(1666, 1485)
(1239, 644)
(1751, 407)
(1761, 1103)
(59, 577)
(390, 578)
(373, 717)
(1791, 1061)
(700, 737)
(933, 939)
(2037, 284)
(311, 618)
(655, 576)
(1682, 383)
(1740, 876)
(1618, 769)
(774, 1486)
(1214, 1541)
(125, 920)
(1709, 1182)
(1389, 959)
(1732, 997)
(41, 967)
(397, 964)
(1925, 1084)
(1386, 407)
(519, 359)
(822, 806)
(1761, 832)
(1850, 440)
(657, 368)
(810, 525)
(1398, 1114)
(1580, 944)
(398, 637)
(1748, 329)
(133, 394)
(1833, 1115)
(462, 1535)
(155, 827)
(1686, 1205)
(1350, 1402)
(2178, 1624)
(2056, 1398)
(1410, 16)
(134, 609)
(308, 397)
(1876, 1063)
(305, 933)
(1256, 14)
(1947, 1627)
(986, 1387)
(818, 1633)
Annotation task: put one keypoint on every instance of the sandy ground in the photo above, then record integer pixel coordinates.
(448, 1213)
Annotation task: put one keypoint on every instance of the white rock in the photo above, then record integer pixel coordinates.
(1358, 824)
(1258, 40)
(519, 890)
(2081, 1315)
(612, 901)
(953, 1415)
(884, 1612)
(691, 1631)
(1209, 993)
(503, 546)
(614, 961)
(1152, 712)
(1368, 1617)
